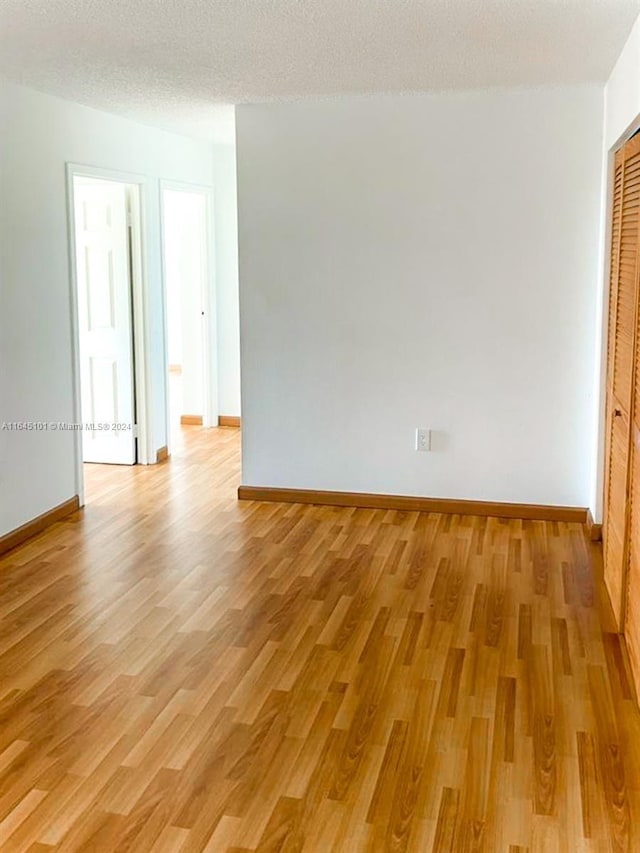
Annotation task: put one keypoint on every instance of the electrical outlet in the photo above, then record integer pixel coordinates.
(423, 439)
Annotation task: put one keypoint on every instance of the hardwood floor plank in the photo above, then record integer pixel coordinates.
(447, 821)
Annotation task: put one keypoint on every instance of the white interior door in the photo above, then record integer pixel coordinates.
(105, 322)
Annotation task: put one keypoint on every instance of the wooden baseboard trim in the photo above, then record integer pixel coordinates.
(191, 420)
(162, 454)
(414, 504)
(594, 530)
(37, 525)
(229, 420)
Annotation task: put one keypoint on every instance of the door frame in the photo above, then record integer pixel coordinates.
(209, 331)
(140, 309)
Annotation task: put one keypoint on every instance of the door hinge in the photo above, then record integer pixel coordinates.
(135, 430)
(129, 218)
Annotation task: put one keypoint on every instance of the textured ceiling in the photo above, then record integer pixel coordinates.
(173, 63)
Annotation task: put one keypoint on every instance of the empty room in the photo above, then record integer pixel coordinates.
(320, 426)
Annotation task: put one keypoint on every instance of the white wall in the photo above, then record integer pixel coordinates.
(39, 134)
(622, 93)
(421, 261)
(226, 243)
(185, 223)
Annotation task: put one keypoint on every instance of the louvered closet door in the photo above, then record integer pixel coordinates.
(632, 604)
(621, 361)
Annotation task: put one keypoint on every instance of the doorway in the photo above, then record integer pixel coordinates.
(186, 257)
(107, 319)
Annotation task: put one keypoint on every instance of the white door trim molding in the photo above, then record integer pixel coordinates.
(209, 342)
(140, 184)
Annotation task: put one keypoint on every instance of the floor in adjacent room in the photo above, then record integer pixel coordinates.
(183, 672)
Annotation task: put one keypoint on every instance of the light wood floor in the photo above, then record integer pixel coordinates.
(182, 672)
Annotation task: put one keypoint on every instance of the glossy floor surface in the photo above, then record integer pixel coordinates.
(181, 672)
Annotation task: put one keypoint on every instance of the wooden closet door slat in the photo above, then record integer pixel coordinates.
(623, 361)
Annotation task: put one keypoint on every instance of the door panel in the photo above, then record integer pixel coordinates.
(621, 374)
(105, 323)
